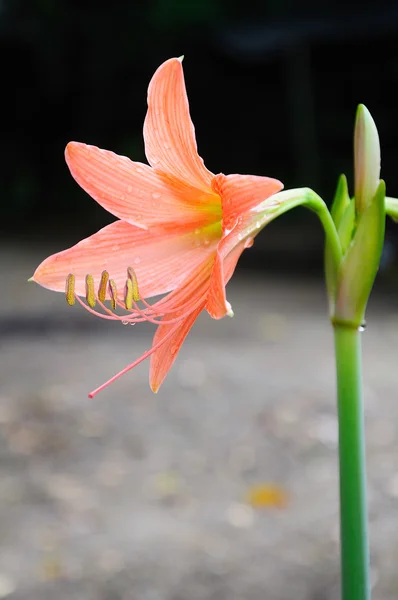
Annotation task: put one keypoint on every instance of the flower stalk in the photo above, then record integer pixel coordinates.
(360, 225)
(353, 506)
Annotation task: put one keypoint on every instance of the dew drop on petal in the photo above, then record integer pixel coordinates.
(249, 242)
(156, 195)
(125, 322)
(139, 170)
(137, 260)
(129, 189)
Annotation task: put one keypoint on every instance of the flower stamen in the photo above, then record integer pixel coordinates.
(70, 289)
(90, 293)
(159, 313)
(102, 286)
(110, 316)
(113, 293)
(128, 294)
(169, 311)
(139, 360)
(133, 278)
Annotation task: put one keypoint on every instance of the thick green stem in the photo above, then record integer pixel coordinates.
(353, 508)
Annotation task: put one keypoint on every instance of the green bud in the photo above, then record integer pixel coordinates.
(366, 159)
(347, 226)
(344, 218)
(360, 264)
(341, 200)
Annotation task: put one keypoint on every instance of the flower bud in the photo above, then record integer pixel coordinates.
(361, 261)
(366, 159)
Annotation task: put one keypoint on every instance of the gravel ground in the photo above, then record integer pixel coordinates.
(136, 496)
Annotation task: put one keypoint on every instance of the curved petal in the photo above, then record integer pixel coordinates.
(225, 262)
(191, 295)
(227, 255)
(161, 262)
(240, 193)
(163, 358)
(133, 191)
(169, 134)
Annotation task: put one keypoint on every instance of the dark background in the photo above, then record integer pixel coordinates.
(273, 88)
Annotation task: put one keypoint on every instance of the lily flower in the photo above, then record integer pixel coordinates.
(179, 234)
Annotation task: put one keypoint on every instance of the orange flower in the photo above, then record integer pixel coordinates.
(181, 229)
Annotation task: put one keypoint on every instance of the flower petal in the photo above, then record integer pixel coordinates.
(191, 295)
(161, 262)
(241, 193)
(367, 159)
(225, 262)
(133, 191)
(228, 252)
(163, 358)
(169, 134)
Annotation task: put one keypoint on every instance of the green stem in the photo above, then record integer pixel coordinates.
(289, 199)
(316, 204)
(353, 509)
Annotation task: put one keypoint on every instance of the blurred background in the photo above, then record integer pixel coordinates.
(224, 485)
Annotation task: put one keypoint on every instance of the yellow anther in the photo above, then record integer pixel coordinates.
(133, 278)
(128, 294)
(113, 293)
(102, 286)
(70, 289)
(90, 293)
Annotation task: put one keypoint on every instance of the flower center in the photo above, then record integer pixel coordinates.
(204, 236)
